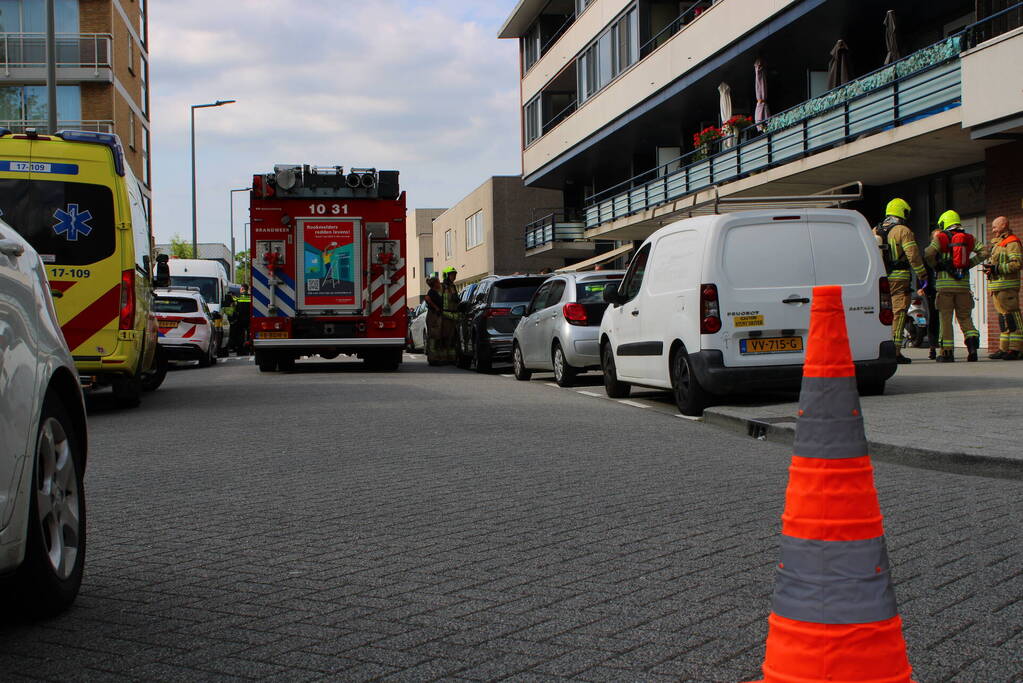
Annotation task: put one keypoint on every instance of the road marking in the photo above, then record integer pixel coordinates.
(589, 393)
(507, 375)
(693, 418)
(633, 403)
(551, 384)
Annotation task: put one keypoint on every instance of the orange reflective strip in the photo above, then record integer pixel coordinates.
(94, 318)
(827, 347)
(832, 500)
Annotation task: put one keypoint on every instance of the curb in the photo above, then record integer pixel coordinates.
(783, 430)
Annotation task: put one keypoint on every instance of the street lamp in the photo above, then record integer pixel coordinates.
(195, 236)
(246, 234)
(240, 189)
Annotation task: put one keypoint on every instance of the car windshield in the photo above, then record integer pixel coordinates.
(174, 304)
(592, 292)
(516, 291)
(67, 223)
(207, 286)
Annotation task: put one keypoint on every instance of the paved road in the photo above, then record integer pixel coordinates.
(330, 524)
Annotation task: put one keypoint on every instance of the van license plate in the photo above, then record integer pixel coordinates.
(271, 335)
(771, 345)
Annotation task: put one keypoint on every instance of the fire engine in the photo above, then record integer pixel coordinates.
(328, 266)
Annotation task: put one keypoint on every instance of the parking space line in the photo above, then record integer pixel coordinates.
(589, 393)
(633, 403)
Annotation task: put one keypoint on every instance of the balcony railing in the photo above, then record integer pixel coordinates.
(74, 50)
(19, 125)
(556, 226)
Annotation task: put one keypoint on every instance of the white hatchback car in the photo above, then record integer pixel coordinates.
(720, 304)
(186, 329)
(43, 439)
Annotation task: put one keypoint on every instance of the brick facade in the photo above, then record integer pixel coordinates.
(1004, 195)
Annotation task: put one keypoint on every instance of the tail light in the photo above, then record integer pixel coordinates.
(885, 310)
(498, 312)
(710, 310)
(126, 320)
(198, 320)
(575, 314)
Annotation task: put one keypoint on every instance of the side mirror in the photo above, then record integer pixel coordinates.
(162, 278)
(611, 294)
(519, 310)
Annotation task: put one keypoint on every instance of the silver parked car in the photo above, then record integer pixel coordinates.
(560, 328)
(42, 441)
(417, 329)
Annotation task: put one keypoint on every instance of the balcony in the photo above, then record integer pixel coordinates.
(922, 84)
(558, 234)
(80, 57)
(19, 125)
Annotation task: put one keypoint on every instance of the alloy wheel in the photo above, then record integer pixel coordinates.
(57, 498)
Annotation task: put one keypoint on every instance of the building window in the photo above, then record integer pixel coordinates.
(614, 51)
(474, 230)
(131, 129)
(448, 245)
(145, 156)
(28, 103)
(29, 16)
(144, 85)
(142, 21)
(580, 5)
(531, 47)
(532, 120)
(427, 267)
(131, 55)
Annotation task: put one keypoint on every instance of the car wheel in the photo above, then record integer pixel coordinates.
(481, 359)
(49, 578)
(266, 361)
(127, 391)
(564, 374)
(206, 359)
(612, 387)
(690, 397)
(522, 373)
(152, 380)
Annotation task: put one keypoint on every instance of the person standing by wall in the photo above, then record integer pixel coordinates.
(449, 322)
(1003, 269)
(436, 353)
(902, 260)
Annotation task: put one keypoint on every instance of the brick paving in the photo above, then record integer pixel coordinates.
(550, 536)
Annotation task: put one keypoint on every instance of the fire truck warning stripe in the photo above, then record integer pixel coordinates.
(94, 318)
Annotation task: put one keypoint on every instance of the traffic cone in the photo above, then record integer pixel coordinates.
(834, 616)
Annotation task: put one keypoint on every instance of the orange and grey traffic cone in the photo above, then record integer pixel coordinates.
(834, 616)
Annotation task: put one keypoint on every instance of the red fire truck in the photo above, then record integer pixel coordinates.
(328, 266)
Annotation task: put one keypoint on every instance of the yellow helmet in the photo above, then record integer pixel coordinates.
(897, 207)
(948, 220)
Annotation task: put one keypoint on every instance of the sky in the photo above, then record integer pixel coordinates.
(421, 86)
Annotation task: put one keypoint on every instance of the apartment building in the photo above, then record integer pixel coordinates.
(419, 252)
(638, 110)
(102, 71)
(482, 234)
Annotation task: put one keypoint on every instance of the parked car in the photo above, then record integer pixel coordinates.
(185, 325)
(487, 323)
(210, 278)
(716, 305)
(43, 440)
(417, 328)
(560, 328)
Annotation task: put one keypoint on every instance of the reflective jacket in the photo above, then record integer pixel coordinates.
(941, 263)
(1007, 258)
(900, 250)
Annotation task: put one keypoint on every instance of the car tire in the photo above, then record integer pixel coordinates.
(152, 380)
(564, 374)
(266, 361)
(612, 386)
(481, 359)
(690, 396)
(522, 373)
(127, 391)
(206, 359)
(48, 579)
(870, 387)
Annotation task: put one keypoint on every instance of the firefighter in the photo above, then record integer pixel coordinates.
(901, 260)
(953, 287)
(1003, 269)
(240, 321)
(450, 315)
(435, 354)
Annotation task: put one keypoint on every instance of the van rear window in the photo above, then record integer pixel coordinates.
(67, 223)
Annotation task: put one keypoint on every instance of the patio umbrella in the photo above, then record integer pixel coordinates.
(838, 69)
(725, 105)
(891, 41)
(760, 85)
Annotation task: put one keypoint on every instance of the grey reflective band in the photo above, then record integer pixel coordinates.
(830, 424)
(834, 582)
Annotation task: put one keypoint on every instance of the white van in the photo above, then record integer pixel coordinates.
(210, 278)
(720, 304)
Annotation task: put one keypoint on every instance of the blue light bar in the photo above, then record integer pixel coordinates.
(4, 131)
(109, 139)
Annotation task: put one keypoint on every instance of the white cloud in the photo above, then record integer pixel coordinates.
(421, 86)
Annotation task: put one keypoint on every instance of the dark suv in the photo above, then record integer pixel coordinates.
(487, 325)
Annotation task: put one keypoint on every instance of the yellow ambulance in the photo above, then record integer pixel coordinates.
(73, 197)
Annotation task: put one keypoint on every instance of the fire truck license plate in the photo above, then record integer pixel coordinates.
(271, 335)
(771, 345)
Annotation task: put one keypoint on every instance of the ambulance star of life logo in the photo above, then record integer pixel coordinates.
(71, 223)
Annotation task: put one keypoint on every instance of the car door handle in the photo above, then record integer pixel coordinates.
(796, 300)
(635, 311)
(11, 248)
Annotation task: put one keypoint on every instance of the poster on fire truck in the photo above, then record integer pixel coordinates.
(329, 263)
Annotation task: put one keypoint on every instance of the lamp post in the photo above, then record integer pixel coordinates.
(240, 189)
(246, 226)
(195, 236)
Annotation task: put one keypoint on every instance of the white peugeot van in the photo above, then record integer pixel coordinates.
(720, 304)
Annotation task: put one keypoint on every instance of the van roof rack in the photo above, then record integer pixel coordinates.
(825, 199)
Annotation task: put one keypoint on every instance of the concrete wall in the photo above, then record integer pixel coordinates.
(474, 263)
(989, 71)
(419, 236)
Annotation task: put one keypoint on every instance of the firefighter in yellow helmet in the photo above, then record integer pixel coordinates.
(952, 253)
(1003, 269)
(447, 342)
(902, 260)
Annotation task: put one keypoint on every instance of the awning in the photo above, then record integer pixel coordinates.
(596, 260)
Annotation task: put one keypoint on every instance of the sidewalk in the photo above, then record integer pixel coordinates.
(957, 417)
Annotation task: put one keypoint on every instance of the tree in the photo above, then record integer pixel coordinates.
(180, 248)
(242, 266)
